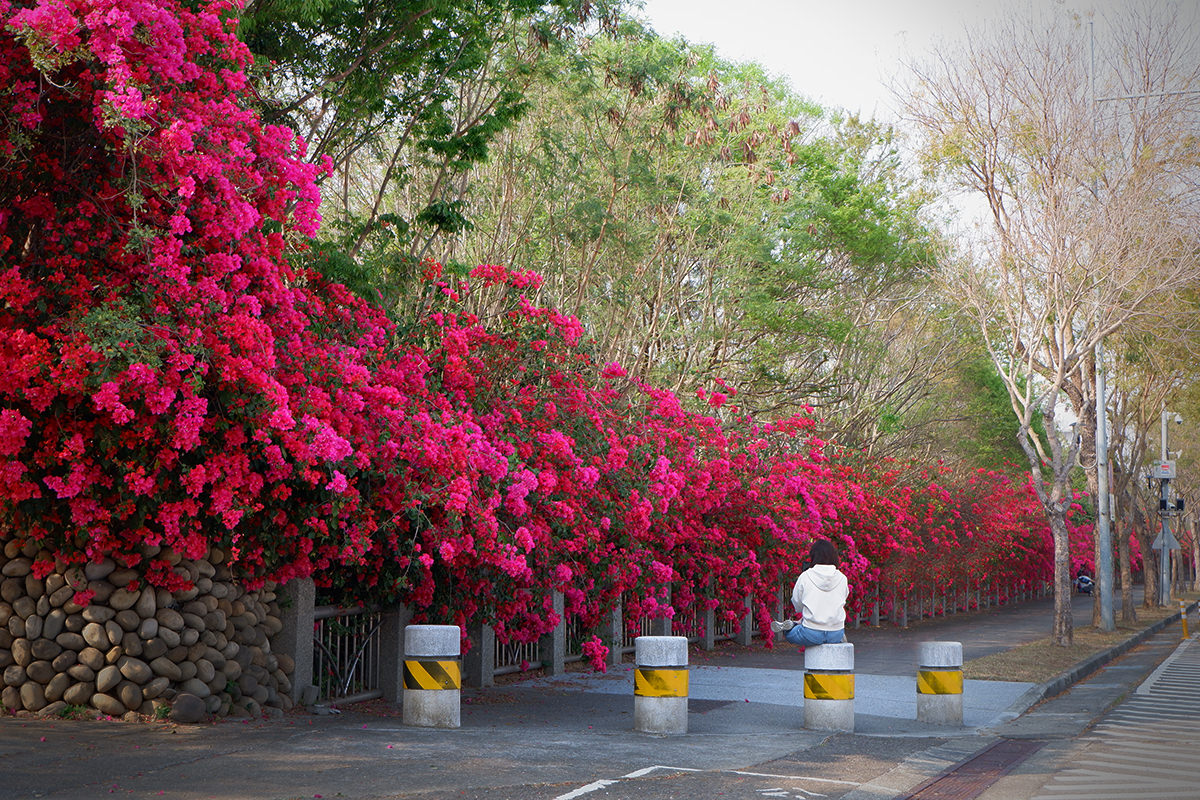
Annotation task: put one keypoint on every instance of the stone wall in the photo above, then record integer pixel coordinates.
(136, 650)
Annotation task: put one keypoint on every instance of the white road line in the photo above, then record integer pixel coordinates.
(604, 783)
(591, 787)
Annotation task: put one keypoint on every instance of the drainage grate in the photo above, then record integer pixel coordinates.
(969, 779)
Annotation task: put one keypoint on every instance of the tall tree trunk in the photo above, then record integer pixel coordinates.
(1191, 523)
(1064, 627)
(1128, 614)
(1149, 562)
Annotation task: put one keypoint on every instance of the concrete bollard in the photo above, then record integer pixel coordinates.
(829, 687)
(432, 676)
(660, 684)
(940, 683)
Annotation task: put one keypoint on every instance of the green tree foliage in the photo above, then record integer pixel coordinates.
(984, 426)
(393, 90)
(708, 223)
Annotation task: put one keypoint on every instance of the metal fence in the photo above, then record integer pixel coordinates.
(346, 653)
(516, 657)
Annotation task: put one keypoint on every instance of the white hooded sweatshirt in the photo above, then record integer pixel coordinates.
(820, 597)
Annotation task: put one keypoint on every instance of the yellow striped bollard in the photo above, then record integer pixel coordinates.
(940, 683)
(432, 676)
(1183, 617)
(660, 684)
(829, 687)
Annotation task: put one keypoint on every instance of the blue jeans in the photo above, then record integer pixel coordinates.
(810, 637)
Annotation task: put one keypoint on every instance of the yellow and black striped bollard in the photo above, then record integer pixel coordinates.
(432, 676)
(829, 687)
(940, 683)
(660, 684)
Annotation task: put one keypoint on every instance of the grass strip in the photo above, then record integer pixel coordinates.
(1041, 660)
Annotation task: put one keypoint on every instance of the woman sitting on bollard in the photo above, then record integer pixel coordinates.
(819, 597)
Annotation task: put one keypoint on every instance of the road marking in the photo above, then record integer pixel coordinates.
(604, 783)
(591, 787)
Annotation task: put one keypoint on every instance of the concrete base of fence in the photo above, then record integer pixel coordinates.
(295, 640)
(829, 687)
(432, 676)
(940, 683)
(660, 685)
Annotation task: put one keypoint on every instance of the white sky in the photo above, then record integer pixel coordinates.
(837, 52)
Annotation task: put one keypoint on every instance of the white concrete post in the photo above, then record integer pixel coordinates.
(615, 631)
(552, 647)
(940, 683)
(745, 634)
(391, 651)
(432, 676)
(480, 664)
(661, 626)
(660, 684)
(708, 638)
(829, 687)
(297, 605)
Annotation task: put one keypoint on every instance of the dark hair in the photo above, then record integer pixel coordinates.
(823, 552)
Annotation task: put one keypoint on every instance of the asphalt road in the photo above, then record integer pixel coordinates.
(570, 737)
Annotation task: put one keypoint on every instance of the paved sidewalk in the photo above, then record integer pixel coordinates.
(570, 737)
(1145, 747)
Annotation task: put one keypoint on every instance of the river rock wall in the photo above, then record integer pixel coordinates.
(137, 650)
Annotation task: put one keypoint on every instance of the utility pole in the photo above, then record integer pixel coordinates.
(1104, 564)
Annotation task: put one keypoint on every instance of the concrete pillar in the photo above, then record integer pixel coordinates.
(552, 647)
(432, 676)
(479, 667)
(295, 639)
(661, 626)
(745, 633)
(616, 635)
(391, 653)
(940, 683)
(875, 608)
(829, 687)
(708, 636)
(660, 684)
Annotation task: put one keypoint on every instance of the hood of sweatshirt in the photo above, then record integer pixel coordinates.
(824, 576)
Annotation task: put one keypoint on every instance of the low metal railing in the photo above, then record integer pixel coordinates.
(346, 653)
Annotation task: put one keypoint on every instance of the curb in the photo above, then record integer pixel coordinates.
(1061, 683)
